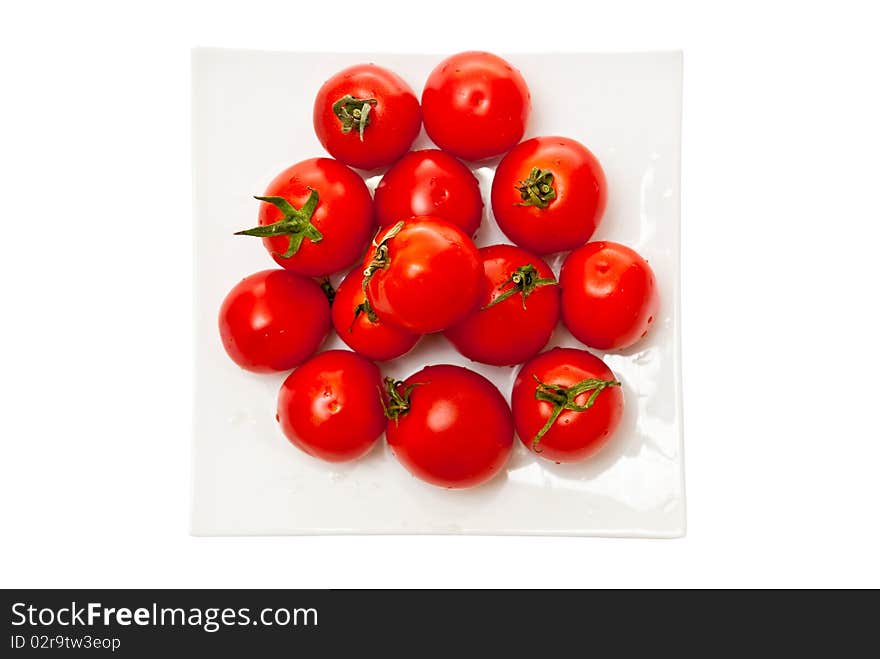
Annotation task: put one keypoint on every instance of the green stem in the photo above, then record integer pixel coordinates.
(363, 307)
(379, 261)
(353, 112)
(328, 289)
(295, 222)
(398, 395)
(537, 190)
(563, 398)
(524, 281)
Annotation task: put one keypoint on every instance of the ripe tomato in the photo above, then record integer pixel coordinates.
(361, 329)
(424, 274)
(549, 194)
(448, 426)
(329, 406)
(566, 404)
(273, 321)
(366, 116)
(609, 295)
(476, 105)
(316, 218)
(430, 182)
(517, 311)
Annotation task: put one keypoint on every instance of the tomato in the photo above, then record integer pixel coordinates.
(364, 334)
(566, 404)
(517, 312)
(366, 116)
(475, 105)
(329, 407)
(548, 194)
(448, 426)
(424, 274)
(430, 182)
(316, 217)
(609, 295)
(273, 321)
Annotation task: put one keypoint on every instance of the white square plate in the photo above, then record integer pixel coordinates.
(252, 117)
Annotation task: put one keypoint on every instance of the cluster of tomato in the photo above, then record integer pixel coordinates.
(422, 273)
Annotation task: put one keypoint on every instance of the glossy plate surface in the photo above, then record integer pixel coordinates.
(252, 118)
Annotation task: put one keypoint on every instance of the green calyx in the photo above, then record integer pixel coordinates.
(328, 289)
(381, 258)
(537, 190)
(366, 308)
(396, 398)
(379, 261)
(563, 398)
(296, 223)
(523, 281)
(354, 113)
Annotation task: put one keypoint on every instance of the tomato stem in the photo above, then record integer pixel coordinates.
(537, 190)
(563, 398)
(328, 289)
(524, 280)
(398, 395)
(363, 307)
(353, 112)
(379, 261)
(295, 222)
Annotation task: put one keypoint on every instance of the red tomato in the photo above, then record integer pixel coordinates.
(329, 406)
(424, 275)
(448, 426)
(316, 218)
(430, 182)
(517, 311)
(476, 105)
(366, 116)
(273, 320)
(566, 404)
(359, 326)
(609, 295)
(549, 194)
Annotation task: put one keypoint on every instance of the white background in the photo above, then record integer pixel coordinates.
(249, 480)
(781, 172)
